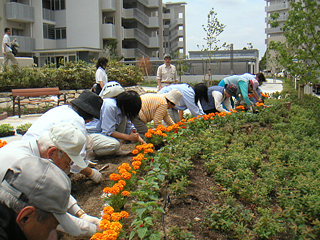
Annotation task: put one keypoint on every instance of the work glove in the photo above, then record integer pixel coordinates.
(90, 219)
(95, 176)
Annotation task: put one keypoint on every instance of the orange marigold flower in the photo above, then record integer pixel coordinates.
(97, 236)
(136, 163)
(125, 193)
(115, 177)
(125, 166)
(148, 135)
(126, 176)
(115, 190)
(183, 120)
(116, 226)
(139, 147)
(107, 190)
(134, 172)
(110, 235)
(115, 216)
(124, 214)
(122, 182)
(108, 210)
(122, 170)
(136, 167)
(135, 151)
(163, 134)
(104, 224)
(106, 217)
(118, 185)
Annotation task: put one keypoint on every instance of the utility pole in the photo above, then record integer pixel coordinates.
(231, 59)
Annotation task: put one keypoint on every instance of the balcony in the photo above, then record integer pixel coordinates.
(277, 7)
(177, 22)
(150, 3)
(153, 22)
(132, 53)
(108, 5)
(48, 15)
(176, 33)
(26, 44)
(273, 30)
(280, 18)
(177, 45)
(135, 33)
(109, 31)
(19, 12)
(154, 42)
(137, 14)
(166, 15)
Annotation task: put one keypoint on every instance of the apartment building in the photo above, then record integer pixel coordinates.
(51, 30)
(282, 7)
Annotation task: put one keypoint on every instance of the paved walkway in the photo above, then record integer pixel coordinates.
(268, 87)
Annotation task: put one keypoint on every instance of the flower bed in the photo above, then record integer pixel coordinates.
(264, 169)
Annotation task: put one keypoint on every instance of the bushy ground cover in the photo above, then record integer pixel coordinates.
(69, 75)
(262, 169)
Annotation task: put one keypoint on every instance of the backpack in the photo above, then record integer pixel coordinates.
(14, 50)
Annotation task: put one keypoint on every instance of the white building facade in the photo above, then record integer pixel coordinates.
(69, 30)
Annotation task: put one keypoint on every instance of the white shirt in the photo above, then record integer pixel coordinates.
(6, 40)
(219, 99)
(101, 76)
(18, 150)
(167, 74)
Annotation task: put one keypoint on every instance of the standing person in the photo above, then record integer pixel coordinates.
(155, 107)
(82, 110)
(101, 75)
(115, 123)
(217, 98)
(34, 197)
(6, 48)
(190, 98)
(167, 73)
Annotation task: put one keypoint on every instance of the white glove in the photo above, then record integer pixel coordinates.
(90, 219)
(95, 176)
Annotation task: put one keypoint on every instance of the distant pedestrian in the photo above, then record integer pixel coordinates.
(167, 73)
(101, 75)
(6, 48)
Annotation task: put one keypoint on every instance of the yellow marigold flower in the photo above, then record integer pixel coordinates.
(104, 224)
(115, 216)
(135, 151)
(124, 214)
(115, 177)
(108, 210)
(126, 176)
(106, 217)
(125, 193)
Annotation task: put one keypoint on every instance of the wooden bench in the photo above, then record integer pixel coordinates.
(34, 92)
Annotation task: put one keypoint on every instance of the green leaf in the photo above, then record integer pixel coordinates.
(140, 211)
(142, 232)
(155, 236)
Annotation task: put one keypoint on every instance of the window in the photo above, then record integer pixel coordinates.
(180, 15)
(48, 31)
(54, 4)
(61, 33)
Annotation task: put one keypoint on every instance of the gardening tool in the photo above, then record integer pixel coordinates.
(104, 167)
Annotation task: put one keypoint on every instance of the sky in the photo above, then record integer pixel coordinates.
(244, 20)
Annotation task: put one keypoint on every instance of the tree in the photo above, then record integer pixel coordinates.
(213, 29)
(299, 53)
(145, 66)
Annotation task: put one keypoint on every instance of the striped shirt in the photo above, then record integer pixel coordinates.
(154, 107)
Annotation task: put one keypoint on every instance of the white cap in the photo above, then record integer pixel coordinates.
(69, 139)
(174, 96)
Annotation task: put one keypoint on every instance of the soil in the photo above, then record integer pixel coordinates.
(184, 211)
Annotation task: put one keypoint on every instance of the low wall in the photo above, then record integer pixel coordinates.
(22, 61)
(192, 78)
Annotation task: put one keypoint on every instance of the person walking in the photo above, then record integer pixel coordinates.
(167, 73)
(6, 48)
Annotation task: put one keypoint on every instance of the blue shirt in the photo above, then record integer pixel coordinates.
(187, 100)
(242, 84)
(110, 118)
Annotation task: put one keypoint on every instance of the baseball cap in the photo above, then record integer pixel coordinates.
(39, 183)
(174, 96)
(69, 139)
